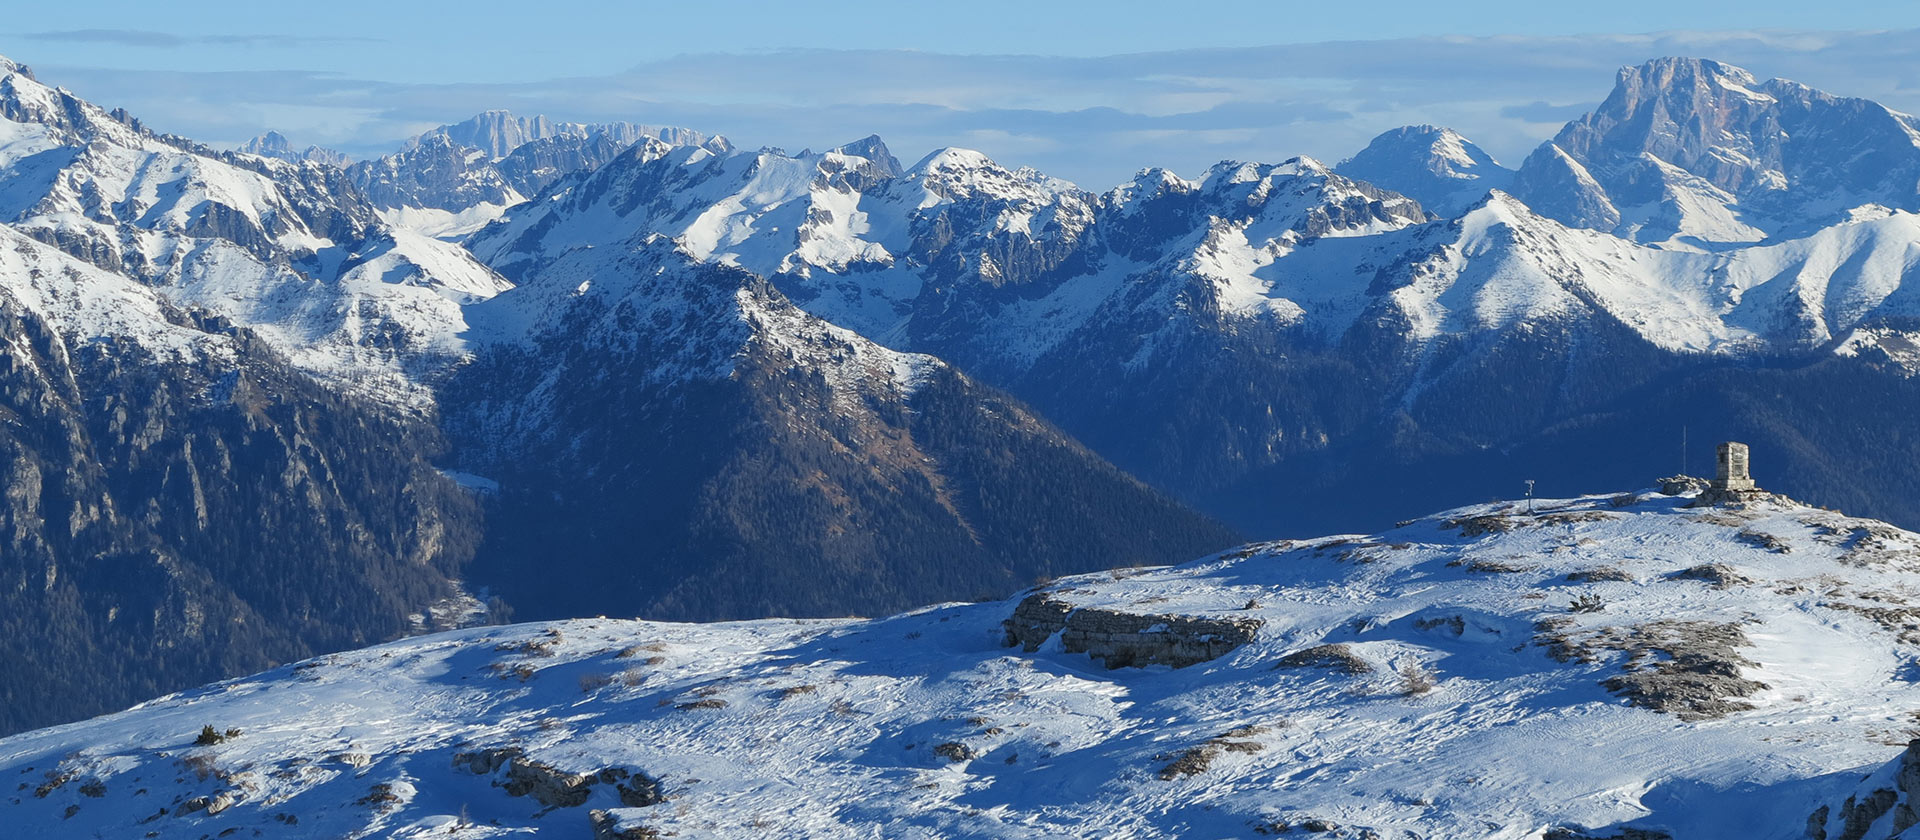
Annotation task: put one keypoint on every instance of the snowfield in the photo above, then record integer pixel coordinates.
(1709, 672)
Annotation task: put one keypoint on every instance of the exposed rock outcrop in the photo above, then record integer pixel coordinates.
(1881, 808)
(1035, 619)
(1680, 485)
(1716, 497)
(1122, 639)
(1336, 657)
(552, 786)
(1690, 669)
(1621, 834)
(608, 826)
(1719, 575)
(1197, 760)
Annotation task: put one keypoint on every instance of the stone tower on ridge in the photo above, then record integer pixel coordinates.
(1731, 468)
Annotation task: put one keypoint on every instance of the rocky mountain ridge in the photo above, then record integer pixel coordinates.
(454, 179)
(1247, 333)
(273, 144)
(499, 132)
(685, 437)
(342, 352)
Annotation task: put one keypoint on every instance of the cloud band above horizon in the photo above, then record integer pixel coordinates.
(1091, 120)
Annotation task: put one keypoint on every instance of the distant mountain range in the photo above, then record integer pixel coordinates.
(620, 369)
(1295, 345)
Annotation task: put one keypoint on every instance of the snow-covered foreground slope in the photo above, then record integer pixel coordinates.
(1708, 672)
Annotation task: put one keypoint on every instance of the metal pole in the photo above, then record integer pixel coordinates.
(1529, 497)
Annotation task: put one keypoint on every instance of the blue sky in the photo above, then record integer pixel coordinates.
(1088, 91)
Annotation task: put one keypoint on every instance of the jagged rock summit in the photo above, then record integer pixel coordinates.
(273, 144)
(454, 179)
(498, 133)
(1604, 666)
(1690, 152)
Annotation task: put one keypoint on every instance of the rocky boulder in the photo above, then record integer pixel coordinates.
(1122, 639)
(552, 786)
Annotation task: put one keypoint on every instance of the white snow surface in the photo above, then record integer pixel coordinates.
(1691, 213)
(829, 728)
(407, 287)
(85, 304)
(445, 224)
(1501, 265)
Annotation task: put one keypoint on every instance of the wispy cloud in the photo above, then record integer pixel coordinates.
(1092, 120)
(1544, 112)
(168, 40)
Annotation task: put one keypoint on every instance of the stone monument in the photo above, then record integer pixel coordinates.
(1732, 469)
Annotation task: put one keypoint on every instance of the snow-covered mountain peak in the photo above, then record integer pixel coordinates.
(1698, 114)
(1695, 153)
(1149, 184)
(951, 158)
(1453, 155)
(26, 100)
(1303, 165)
(1230, 172)
(1304, 196)
(1497, 206)
(272, 144)
(456, 179)
(1501, 267)
(954, 173)
(1233, 175)
(495, 132)
(1444, 170)
(1582, 667)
